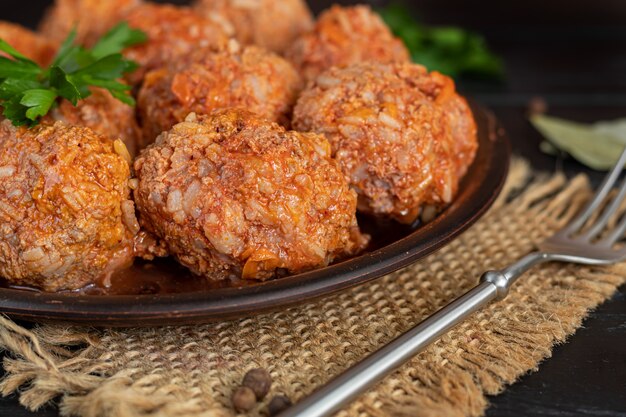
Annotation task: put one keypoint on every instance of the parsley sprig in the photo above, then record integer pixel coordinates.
(451, 50)
(28, 91)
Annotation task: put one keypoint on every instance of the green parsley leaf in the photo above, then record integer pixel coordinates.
(16, 112)
(118, 39)
(38, 101)
(124, 97)
(66, 86)
(108, 68)
(108, 84)
(9, 50)
(9, 88)
(28, 92)
(449, 50)
(18, 69)
(66, 50)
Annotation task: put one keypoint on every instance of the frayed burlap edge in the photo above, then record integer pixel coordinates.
(192, 370)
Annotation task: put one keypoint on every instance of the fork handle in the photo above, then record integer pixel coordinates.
(494, 285)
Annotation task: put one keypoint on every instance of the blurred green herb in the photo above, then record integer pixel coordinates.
(449, 50)
(597, 145)
(28, 91)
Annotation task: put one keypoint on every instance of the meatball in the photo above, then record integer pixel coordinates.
(172, 33)
(66, 219)
(401, 135)
(268, 23)
(251, 78)
(105, 115)
(234, 195)
(28, 43)
(91, 18)
(344, 36)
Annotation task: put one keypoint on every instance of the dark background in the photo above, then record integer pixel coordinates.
(573, 56)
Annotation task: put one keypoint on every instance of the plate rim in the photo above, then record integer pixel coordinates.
(240, 302)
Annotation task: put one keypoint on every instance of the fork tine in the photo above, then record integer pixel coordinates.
(616, 234)
(608, 212)
(601, 194)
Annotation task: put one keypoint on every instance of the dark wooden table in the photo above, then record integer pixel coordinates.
(574, 57)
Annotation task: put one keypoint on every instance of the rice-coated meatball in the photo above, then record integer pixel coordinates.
(401, 135)
(66, 218)
(104, 114)
(172, 33)
(344, 36)
(91, 18)
(28, 43)
(271, 24)
(234, 195)
(250, 78)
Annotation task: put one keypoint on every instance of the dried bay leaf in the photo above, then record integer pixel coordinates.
(597, 145)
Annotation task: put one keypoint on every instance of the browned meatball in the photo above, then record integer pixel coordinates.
(234, 195)
(402, 136)
(66, 219)
(344, 36)
(172, 32)
(27, 42)
(91, 18)
(251, 78)
(105, 115)
(268, 23)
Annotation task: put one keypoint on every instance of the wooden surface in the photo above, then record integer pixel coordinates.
(575, 58)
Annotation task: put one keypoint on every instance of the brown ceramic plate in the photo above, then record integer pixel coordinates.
(164, 293)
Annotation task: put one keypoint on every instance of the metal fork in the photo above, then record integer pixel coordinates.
(576, 243)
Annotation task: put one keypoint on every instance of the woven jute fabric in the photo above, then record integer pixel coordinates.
(192, 370)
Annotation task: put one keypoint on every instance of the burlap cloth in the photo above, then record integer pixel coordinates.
(185, 371)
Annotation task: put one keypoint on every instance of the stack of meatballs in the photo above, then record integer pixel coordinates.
(258, 135)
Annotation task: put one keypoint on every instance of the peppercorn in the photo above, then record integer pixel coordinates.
(243, 399)
(278, 404)
(259, 381)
